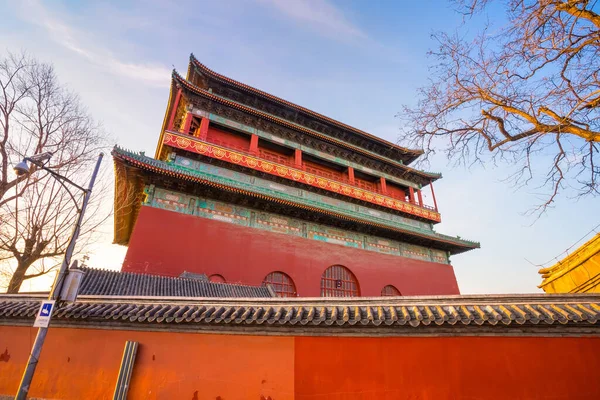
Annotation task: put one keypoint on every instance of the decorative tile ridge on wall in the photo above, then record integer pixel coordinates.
(553, 314)
(219, 176)
(253, 218)
(195, 145)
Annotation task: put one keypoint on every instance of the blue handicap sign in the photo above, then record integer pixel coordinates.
(46, 309)
(43, 318)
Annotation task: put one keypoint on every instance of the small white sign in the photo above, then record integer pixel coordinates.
(278, 187)
(43, 318)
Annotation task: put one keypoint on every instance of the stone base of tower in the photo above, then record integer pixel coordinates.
(168, 243)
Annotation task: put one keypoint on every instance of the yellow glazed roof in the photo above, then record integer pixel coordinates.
(577, 273)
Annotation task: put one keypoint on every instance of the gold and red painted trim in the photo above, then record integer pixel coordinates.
(199, 91)
(214, 151)
(148, 167)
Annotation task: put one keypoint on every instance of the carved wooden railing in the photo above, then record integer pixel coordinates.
(280, 159)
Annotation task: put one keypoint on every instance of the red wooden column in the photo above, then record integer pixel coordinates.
(187, 123)
(298, 158)
(351, 175)
(174, 110)
(433, 195)
(411, 195)
(204, 128)
(253, 144)
(383, 185)
(420, 197)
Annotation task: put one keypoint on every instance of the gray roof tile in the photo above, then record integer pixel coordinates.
(101, 282)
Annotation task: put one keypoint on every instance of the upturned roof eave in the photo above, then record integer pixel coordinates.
(412, 154)
(573, 261)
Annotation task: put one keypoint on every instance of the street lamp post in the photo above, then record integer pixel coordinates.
(22, 169)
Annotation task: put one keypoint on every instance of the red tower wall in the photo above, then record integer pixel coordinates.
(168, 243)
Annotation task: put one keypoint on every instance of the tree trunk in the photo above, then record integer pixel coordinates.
(17, 278)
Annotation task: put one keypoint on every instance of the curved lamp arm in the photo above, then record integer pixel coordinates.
(61, 179)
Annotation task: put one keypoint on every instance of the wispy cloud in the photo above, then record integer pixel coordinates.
(319, 15)
(70, 38)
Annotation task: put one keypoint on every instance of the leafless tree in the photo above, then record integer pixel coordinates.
(526, 93)
(37, 213)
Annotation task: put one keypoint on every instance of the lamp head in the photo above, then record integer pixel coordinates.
(40, 157)
(22, 168)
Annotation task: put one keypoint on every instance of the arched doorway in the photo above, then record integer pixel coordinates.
(339, 281)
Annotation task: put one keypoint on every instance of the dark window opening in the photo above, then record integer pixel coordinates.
(217, 278)
(390, 290)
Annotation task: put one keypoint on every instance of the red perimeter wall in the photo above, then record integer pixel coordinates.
(84, 363)
(168, 243)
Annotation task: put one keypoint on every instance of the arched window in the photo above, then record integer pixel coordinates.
(390, 290)
(217, 278)
(281, 283)
(339, 281)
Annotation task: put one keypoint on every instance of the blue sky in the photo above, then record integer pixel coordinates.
(354, 61)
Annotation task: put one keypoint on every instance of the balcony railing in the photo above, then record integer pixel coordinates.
(283, 160)
(228, 145)
(274, 157)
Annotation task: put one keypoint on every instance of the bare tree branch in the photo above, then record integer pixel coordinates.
(526, 94)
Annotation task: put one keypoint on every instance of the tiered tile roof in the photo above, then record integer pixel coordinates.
(425, 177)
(409, 154)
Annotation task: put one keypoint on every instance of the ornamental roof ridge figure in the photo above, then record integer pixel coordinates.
(249, 188)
